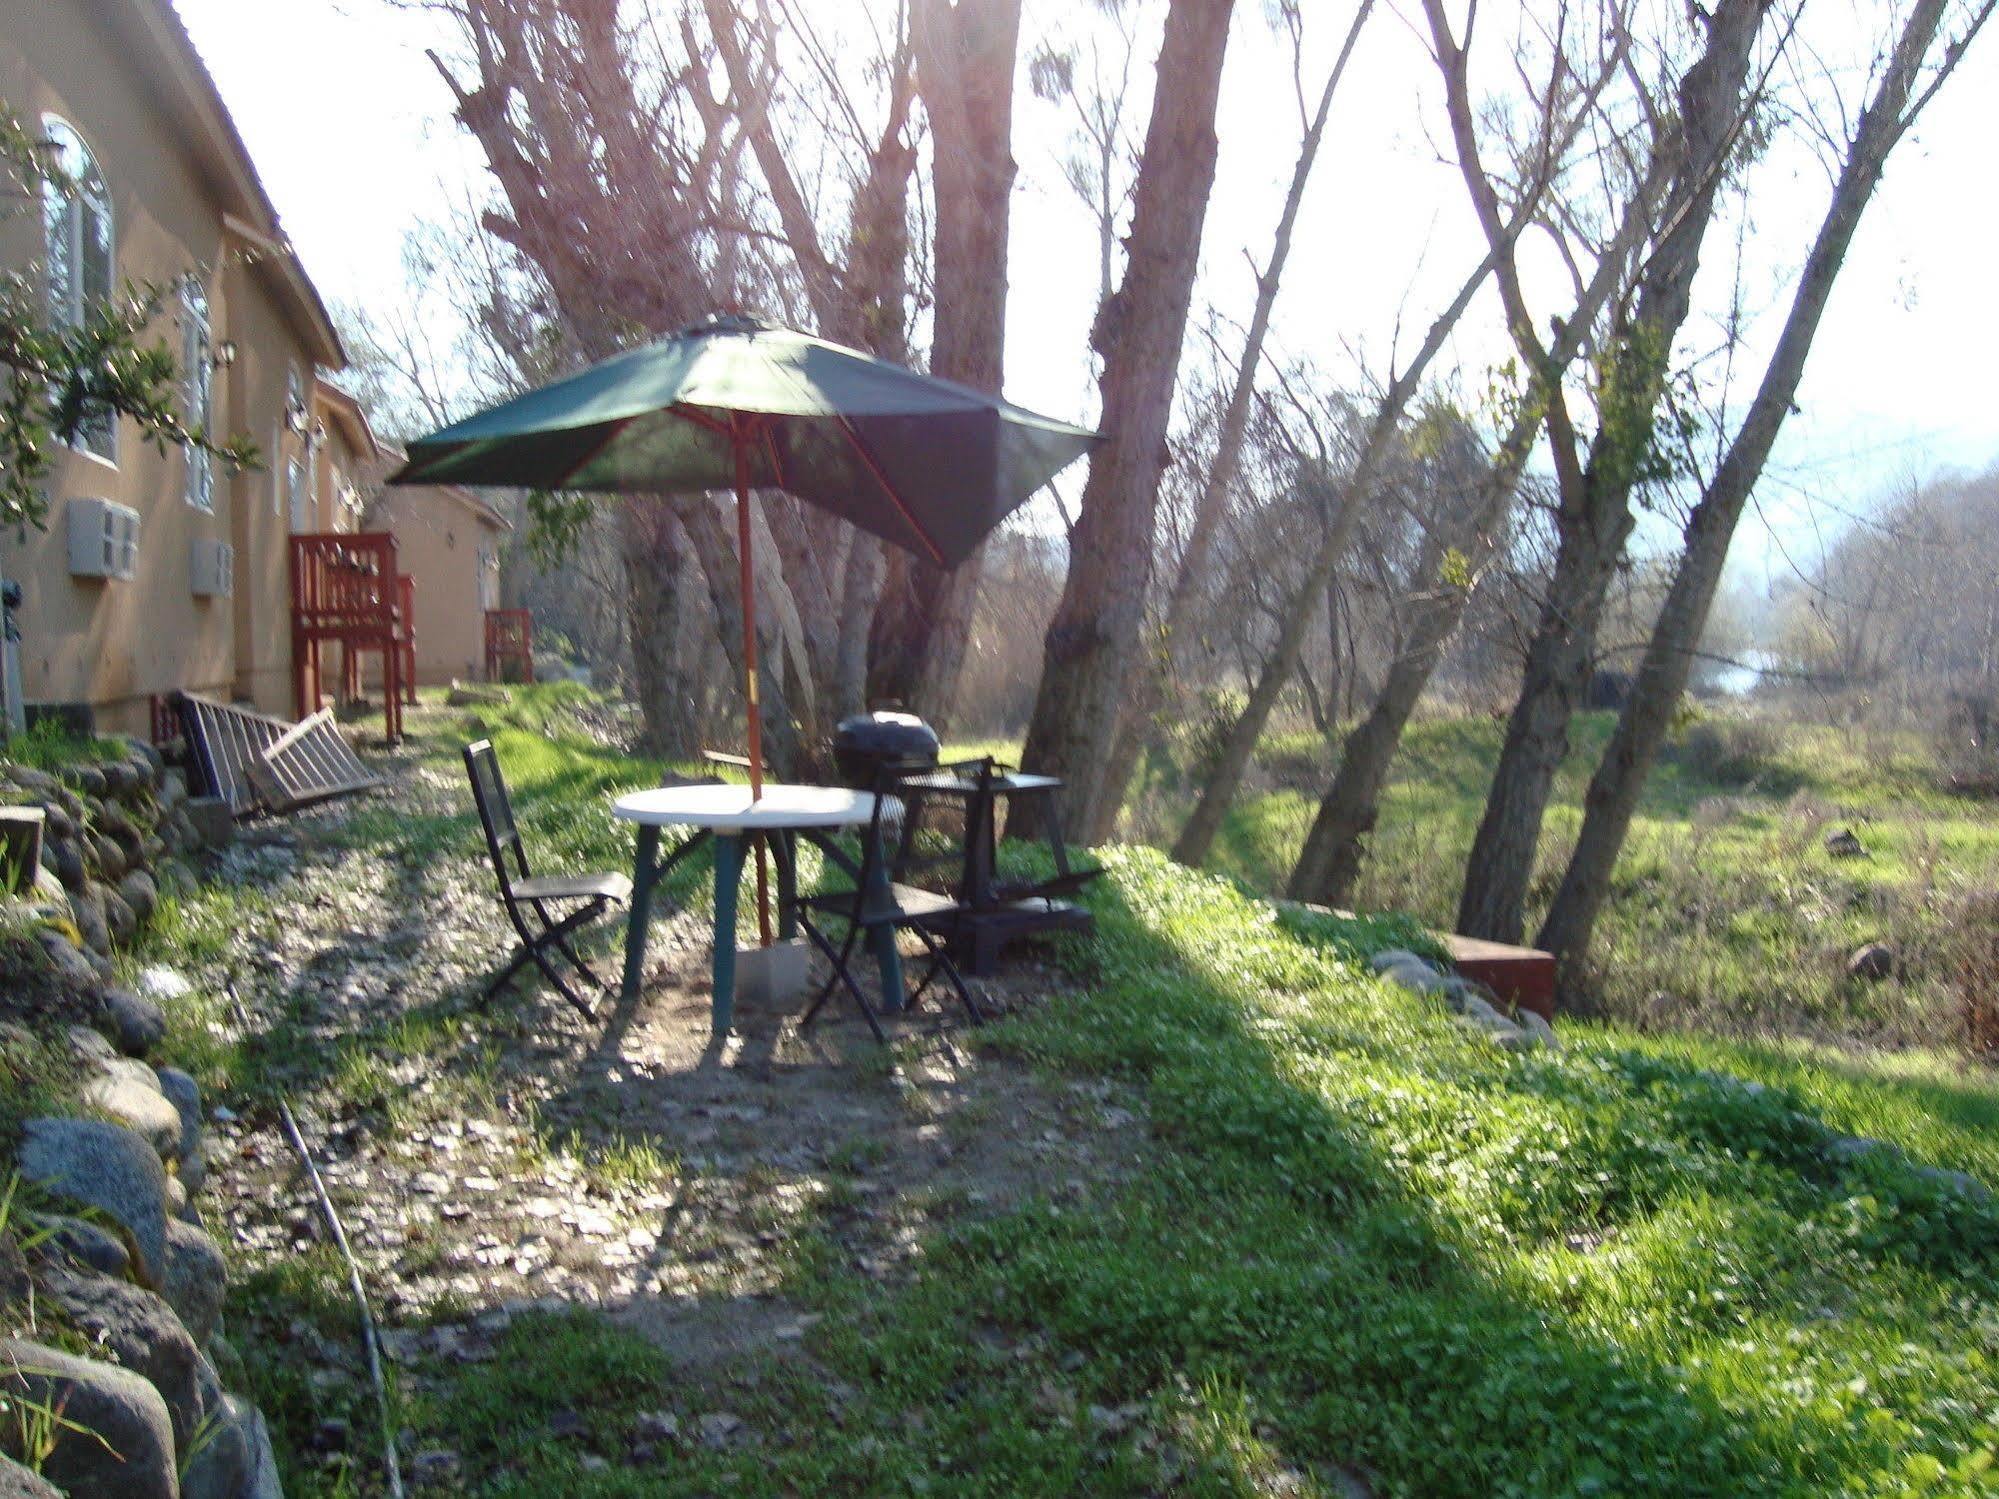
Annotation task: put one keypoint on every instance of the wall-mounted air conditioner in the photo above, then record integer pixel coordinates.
(103, 539)
(211, 568)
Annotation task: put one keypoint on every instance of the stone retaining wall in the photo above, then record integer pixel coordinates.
(104, 1248)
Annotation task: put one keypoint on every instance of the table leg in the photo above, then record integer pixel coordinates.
(888, 957)
(644, 876)
(784, 846)
(728, 871)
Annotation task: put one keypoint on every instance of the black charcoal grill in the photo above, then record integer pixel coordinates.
(869, 743)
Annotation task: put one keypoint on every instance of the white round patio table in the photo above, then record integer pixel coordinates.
(730, 815)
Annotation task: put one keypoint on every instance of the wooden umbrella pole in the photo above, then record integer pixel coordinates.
(740, 436)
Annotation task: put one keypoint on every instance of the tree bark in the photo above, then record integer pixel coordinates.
(1088, 651)
(1594, 518)
(1135, 725)
(966, 52)
(1661, 678)
(654, 552)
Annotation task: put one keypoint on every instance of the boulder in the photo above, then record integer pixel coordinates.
(134, 1025)
(85, 1245)
(110, 854)
(125, 1449)
(1539, 1028)
(237, 1461)
(65, 858)
(91, 924)
(184, 1094)
(141, 1331)
(92, 1052)
(1417, 975)
(139, 892)
(127, 1093)
(89, 779)
(118, 777)
(196, 1278)
(120, 918)
(173, 789)
(1871, 963)
(109, 1168)
(213, 823)
(16, 1482)
(29, 779)
(147, 755)
(70, 965)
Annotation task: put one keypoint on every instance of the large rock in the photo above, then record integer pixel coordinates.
(1871, 963)
(134, 1025)
(196, 1278)
(85, 1245)
(109, 1168)
(71, 966)
(64, 856)
(139, 892)
(141, 1331)
(16, 1482)
(118, 916)
(91, 923)
(237, 1462)
(125, 1449)
(126, 1092)
(111, 860)
(213, 823)
(184, 1094)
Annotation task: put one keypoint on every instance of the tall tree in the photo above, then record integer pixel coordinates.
(1089, 649)
(1563, 110)
(1594, 514)
(965, 62)
(1620, 777)
(1136, 722)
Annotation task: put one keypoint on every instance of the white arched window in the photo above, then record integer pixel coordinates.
(76, 218)
(198, 367)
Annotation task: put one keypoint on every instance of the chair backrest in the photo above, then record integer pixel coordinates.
(496, 813)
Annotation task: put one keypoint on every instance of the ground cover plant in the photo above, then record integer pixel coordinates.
(1727, 913)
(1289, 1230)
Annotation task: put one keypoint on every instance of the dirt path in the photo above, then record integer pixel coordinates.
(485, 1162)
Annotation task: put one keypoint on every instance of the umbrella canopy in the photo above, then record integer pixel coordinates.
(925, 464)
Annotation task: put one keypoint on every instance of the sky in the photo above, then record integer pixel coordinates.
(350, 128)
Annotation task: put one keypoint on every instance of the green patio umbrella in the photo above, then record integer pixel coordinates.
(925, 464)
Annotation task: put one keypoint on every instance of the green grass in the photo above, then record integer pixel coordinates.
(1725, 914)
(1360, 1241)
(1356, 1240)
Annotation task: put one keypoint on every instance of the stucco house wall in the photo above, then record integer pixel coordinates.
(184, 199)
(449, 541)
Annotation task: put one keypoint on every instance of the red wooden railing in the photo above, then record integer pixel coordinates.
(509, 644)
(346, 590)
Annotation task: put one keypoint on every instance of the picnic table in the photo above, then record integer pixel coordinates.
(734, 818)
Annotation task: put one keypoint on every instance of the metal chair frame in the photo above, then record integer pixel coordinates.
(598, 892)
(875, 902)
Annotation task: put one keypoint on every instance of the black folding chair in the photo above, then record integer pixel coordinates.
(876, 902)
(526, 894)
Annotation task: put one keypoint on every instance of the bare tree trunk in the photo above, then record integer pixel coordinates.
(1662, 675)
(1088, 652)
(966, 52)
(1336, 843)
(1136, 722)
(654, 552)
(1594, 518)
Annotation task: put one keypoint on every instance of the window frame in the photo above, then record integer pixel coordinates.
(197, 345)
(68, 300)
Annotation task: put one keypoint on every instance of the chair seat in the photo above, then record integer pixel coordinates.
(910, 903)
(607, 885)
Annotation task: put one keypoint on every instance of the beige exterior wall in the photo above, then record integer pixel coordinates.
(115, 643)
(448, 542)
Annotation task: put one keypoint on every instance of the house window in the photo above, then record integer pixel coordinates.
(199, 367)
(76, 220)
(295, 488)
(277, 469)
(489, 578)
